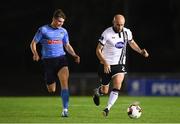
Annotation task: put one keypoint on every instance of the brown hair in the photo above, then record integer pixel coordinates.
(59, 13)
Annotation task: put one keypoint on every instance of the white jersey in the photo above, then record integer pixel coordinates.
(114, 43)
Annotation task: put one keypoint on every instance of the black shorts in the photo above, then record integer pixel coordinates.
(51, 66)
(106, 78)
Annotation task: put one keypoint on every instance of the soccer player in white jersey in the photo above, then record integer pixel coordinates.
(111, 52)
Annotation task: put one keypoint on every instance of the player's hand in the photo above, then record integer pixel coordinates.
(36, 57)
(144, 53)
(107, 68)
(77, 59)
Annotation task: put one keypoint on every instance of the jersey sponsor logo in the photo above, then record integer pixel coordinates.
(119, 45)
(54, 42)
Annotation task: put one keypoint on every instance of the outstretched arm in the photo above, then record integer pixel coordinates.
(71, 51)
(34, 51)
(135, 47)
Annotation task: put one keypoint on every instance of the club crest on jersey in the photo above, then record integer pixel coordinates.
(119, 45)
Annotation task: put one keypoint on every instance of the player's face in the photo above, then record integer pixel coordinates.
(58, 22)
(119, 24)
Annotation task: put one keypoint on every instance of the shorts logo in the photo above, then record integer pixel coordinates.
(123, 68)
(119, 45)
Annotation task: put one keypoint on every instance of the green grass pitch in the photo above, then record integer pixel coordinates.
(83, 110)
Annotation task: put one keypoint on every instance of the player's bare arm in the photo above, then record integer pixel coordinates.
(34, 51)
(100, 56)
(135, 47)
(71, 51)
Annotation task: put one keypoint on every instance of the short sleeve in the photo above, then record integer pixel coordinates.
(65, 38)
(129, 34)
(38, 36)
(103, 38)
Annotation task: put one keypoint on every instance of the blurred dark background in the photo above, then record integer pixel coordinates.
(155, 26)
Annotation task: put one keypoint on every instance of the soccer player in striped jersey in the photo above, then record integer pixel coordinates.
(53, 39)
(111, 52)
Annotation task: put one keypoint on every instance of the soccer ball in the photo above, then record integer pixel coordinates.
(134, 111)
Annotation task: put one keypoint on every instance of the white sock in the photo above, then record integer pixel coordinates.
(65, 110)
(112, 99)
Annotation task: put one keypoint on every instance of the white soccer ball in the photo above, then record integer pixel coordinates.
(134, 111)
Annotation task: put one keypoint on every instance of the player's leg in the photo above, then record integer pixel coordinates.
(103, 89)
(117, 82)
(49, 75)
(63, 76)
(104, 80)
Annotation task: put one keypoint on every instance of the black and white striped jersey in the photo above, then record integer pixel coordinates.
(114, 43)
